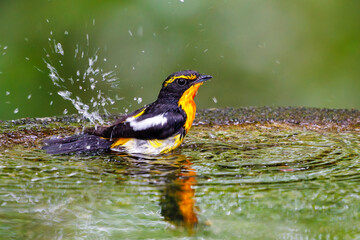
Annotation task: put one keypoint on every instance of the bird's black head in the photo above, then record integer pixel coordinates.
(176, 84)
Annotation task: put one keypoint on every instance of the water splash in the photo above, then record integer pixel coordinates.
(2, 53)
(3, 50)
(89, 77)
(138, 99)
(81, 107)
(58, 48)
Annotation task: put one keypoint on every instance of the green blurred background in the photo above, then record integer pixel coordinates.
(277, 53)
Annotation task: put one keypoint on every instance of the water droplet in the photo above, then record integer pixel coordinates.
(59, 49)
(64, 94)
(16, 110)
(87, 40)
(110, 101)
(38, 69)
(119, 98)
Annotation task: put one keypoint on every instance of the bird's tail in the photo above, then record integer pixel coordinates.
(82, 143)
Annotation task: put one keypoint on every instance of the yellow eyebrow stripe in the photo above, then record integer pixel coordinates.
(191, 77)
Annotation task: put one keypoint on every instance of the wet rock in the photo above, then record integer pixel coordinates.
(30, 131)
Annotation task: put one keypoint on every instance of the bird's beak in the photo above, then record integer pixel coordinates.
(202, 78)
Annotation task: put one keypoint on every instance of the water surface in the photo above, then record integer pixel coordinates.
(231, 182)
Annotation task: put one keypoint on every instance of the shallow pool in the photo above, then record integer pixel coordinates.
(232, 182)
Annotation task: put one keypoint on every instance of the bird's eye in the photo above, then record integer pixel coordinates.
(181, 81)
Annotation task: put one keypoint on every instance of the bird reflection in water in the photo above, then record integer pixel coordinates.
(177, 201)
(175, 178)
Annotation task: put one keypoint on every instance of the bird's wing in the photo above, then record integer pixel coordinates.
(145, 125)
(138, 112)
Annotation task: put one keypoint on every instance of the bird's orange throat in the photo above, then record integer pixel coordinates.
(187, 103)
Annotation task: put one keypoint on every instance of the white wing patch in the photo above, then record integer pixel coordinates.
(147, 123)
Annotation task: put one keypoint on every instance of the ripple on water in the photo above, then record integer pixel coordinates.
(247, 183)
(262, 156)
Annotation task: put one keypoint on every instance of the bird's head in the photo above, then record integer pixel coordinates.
(180, 83)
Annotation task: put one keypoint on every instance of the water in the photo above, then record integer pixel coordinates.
(2, 53)
(89, 77)
(252, 182)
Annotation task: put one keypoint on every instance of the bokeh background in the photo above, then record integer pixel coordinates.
(276, 53)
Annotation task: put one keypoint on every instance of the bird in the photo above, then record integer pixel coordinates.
(156, 128)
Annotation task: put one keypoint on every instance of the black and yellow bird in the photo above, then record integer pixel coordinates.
(157, 128)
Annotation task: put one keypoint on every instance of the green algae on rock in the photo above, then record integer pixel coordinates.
(340, 119)
(29, 131)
